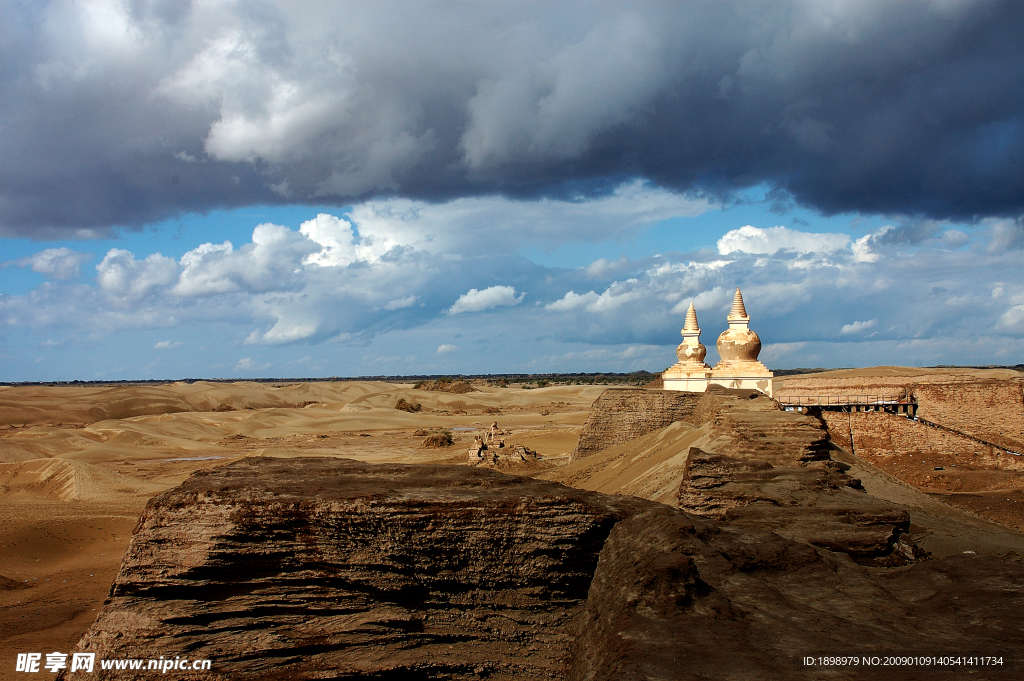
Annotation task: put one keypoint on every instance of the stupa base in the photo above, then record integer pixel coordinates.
(691, 377)
(762, 383)
(693, 384)
(743, 376)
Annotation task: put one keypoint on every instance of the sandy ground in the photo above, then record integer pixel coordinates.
(904, 374)
(77, 466)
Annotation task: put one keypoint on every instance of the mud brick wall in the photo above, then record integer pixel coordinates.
(990, 410)
(878, 435)
(621, 414)
(838, 425)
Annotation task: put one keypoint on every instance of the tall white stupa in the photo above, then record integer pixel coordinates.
(738, 348)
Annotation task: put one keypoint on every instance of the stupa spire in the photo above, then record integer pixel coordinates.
(691, 320)
(738, 311)
(691, 351)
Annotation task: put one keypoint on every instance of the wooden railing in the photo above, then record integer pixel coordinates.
(840, 400)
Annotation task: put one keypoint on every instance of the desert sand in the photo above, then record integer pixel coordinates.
(78, 465)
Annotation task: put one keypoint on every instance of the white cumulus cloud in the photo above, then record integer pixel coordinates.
(573, 301)
(750, 239)
(55, 263)
(446, 348)
(401, 303)
(613, 298)
(858, 327)
(335, 237)
(269, 263)
(493, 296)
(120, 274)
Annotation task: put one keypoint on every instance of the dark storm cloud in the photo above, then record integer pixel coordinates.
(118, 114)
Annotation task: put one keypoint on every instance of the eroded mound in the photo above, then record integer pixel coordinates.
(329, 568)
(298, 565)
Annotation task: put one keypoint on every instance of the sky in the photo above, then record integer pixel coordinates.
(232, 189)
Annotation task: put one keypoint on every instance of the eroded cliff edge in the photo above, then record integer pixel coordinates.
(334, 569)
(734, 455)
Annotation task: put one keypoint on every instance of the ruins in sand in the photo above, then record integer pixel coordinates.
(738, 348)
(490, 447)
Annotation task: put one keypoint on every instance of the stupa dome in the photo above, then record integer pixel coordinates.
(691, 350)
(738, 343)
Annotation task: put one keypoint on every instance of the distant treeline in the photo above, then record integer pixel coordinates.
(598, 378)
(818, 370)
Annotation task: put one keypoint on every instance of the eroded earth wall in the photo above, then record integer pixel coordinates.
(280, 567)
(622, 414)
(989, 410)
(892, 442)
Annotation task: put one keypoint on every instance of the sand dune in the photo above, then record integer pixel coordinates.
(35, 405)
(58, 479)
(343, 407)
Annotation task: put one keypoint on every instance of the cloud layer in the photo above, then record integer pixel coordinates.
(120, 114)
(361, 286)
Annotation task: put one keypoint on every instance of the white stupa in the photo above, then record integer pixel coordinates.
(738, 348)
(690, 373)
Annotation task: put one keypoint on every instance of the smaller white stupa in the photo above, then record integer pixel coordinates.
(738, 348)
(690, 373)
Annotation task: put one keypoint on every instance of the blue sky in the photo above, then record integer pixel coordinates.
(206, 190)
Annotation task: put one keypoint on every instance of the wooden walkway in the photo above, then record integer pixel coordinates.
(890, 404)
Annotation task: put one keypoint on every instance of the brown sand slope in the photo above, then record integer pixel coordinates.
(650, 466)
(60, 480)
